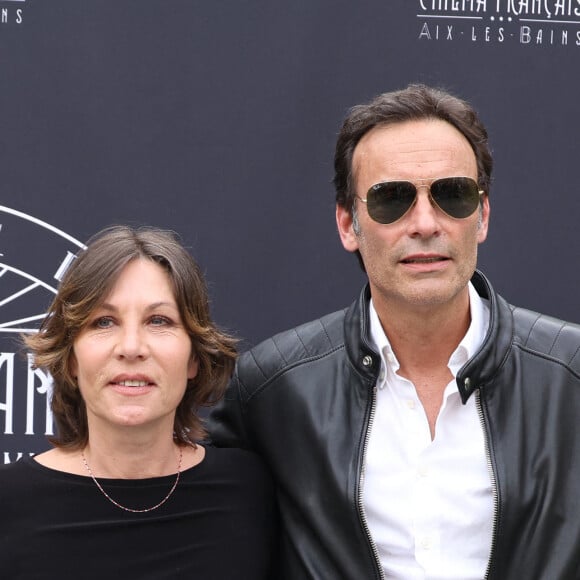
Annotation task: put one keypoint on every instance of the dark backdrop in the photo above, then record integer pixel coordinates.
(218, 119)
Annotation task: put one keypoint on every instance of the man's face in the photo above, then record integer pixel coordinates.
(425, 259)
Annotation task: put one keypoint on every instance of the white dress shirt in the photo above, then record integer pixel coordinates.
(428, 503)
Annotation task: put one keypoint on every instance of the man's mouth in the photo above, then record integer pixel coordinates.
(426, 260)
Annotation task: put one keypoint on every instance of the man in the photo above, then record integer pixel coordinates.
(429, 430)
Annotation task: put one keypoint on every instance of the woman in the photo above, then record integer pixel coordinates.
(127, 492)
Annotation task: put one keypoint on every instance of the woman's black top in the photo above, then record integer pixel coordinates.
(219, 524)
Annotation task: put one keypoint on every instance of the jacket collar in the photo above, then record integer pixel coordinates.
(475, 374)
(362, 356)
(480, 370)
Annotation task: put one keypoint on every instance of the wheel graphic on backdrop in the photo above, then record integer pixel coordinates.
(33, 258)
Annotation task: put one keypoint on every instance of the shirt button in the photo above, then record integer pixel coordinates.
(411, 404)
(423, 471)
(426, 543)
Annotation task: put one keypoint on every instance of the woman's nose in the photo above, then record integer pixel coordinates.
(132, 342)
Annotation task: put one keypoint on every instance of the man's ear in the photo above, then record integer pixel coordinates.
(483, 224)
(346, 231)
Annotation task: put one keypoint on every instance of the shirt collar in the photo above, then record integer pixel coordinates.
(468, 346)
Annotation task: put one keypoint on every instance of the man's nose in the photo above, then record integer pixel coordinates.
(424, 216)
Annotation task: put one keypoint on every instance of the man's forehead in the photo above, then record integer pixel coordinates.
(413, 133)
(413, 143)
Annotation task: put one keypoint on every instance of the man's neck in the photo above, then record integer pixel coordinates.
(423, 338)
(424, 331)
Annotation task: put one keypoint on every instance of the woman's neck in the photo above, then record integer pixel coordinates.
(132, 459)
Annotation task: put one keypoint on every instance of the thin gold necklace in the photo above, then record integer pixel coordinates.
(134, 511)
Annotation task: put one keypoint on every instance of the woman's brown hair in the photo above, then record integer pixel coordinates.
(86, 284)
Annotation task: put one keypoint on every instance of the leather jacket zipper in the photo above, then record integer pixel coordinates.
(360, 505)
(493, 483)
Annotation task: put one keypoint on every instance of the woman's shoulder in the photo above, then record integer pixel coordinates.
(239, 464)
(228, 457)
(17, 479)
(17, 468)
(33, 470)
(245, 480)
(61, 460)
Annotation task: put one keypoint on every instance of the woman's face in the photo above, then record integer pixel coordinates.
(133, 357)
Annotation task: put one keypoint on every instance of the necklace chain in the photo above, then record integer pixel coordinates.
(135, 511)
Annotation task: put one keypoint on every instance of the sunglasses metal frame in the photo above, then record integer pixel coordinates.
(428, 183)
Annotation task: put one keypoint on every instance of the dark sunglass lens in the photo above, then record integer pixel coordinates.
(389, 201)
(456, 196)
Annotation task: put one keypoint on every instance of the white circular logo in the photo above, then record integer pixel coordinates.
(33, 257)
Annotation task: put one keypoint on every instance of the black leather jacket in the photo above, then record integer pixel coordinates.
(304, 400)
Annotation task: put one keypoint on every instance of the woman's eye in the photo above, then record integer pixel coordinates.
(103, 322)
(159, 321)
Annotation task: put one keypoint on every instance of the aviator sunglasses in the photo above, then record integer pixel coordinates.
(389, 201)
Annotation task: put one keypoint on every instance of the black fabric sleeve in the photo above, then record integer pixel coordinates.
(227, 420)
